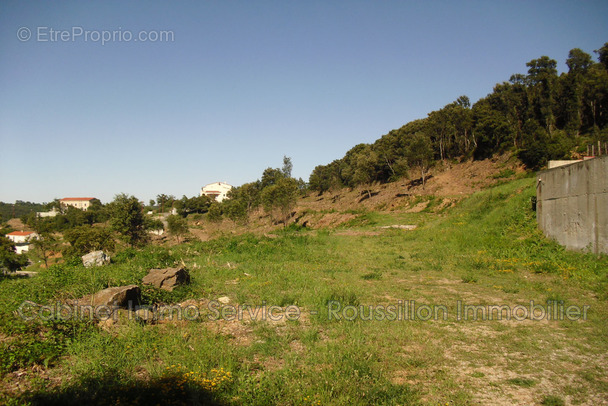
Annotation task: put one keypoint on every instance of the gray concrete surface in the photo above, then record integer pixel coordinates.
(572, 204)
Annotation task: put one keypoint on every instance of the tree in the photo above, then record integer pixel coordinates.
(420, 153)
(196, 204)
(215, 212)
(164, 200)
(45, 245)
(492, 128)
(596, 95)
(541, 79)
(573, 89)
(128, 219)
(280, 198)
(390, 164)
(302, 187)
(249, 193)
(270, 177)
(153, 223)
(511, 101)
(325, 177)
(235, 210)
(10, 261)
(603, 55)
(178, 226)
(535, 152)
(364, 168)
(86, 239)
(287, 166)
(96, 213)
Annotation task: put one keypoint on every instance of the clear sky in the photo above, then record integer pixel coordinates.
(221, 90)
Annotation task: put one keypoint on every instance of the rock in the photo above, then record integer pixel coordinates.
(224, 300)
(118, 296)
(408, 227)
(95, 258)
(167, 278)
(25, 274)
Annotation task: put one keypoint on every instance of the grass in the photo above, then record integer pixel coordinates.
(484, 251)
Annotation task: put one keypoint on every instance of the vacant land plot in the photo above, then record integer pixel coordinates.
(473, 306)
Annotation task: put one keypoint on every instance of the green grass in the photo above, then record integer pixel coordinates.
(486, 250)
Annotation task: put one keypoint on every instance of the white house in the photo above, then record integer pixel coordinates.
(22, 239)
(81, 203)
(51, 213)
(218, 190)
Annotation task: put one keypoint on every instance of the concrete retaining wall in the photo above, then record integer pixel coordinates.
(572, 204)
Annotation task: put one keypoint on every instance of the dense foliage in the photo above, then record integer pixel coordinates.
(192, 205)
(85, 239)
(67, 217)
(18, 209)
(539, 116)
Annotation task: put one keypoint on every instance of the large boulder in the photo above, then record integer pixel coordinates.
(95, 258)
(115, 297)
(167, 278)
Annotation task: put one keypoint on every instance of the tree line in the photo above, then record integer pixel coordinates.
(75, 232)
(18, 209)
(539, 116)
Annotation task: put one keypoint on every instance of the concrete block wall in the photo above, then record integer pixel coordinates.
(572, 204)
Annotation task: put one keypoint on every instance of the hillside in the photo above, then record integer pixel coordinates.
(447, 185)
(537, 116)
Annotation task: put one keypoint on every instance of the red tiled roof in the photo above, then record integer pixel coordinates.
(211, 191)
(21, 233)
(77, 198)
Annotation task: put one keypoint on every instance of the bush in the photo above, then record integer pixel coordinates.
(215, 212)
(178, 226)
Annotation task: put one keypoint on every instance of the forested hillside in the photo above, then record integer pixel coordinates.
(18, 209)
(539, 116)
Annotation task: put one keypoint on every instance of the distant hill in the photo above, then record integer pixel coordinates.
(18, 209)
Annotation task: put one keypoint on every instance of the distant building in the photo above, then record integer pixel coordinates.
(218, 190)
(81, 203)
(51, 213)
(22, 239)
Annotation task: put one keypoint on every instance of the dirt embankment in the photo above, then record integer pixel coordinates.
(449, 181)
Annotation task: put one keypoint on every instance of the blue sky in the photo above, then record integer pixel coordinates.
(242, 83)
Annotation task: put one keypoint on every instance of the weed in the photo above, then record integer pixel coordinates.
(376, 275)
(469, 279)
(523, 382)
(344, 297)
(552, 400)
(505, 173)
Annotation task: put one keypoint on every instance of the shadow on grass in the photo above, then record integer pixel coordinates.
(109, 390)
